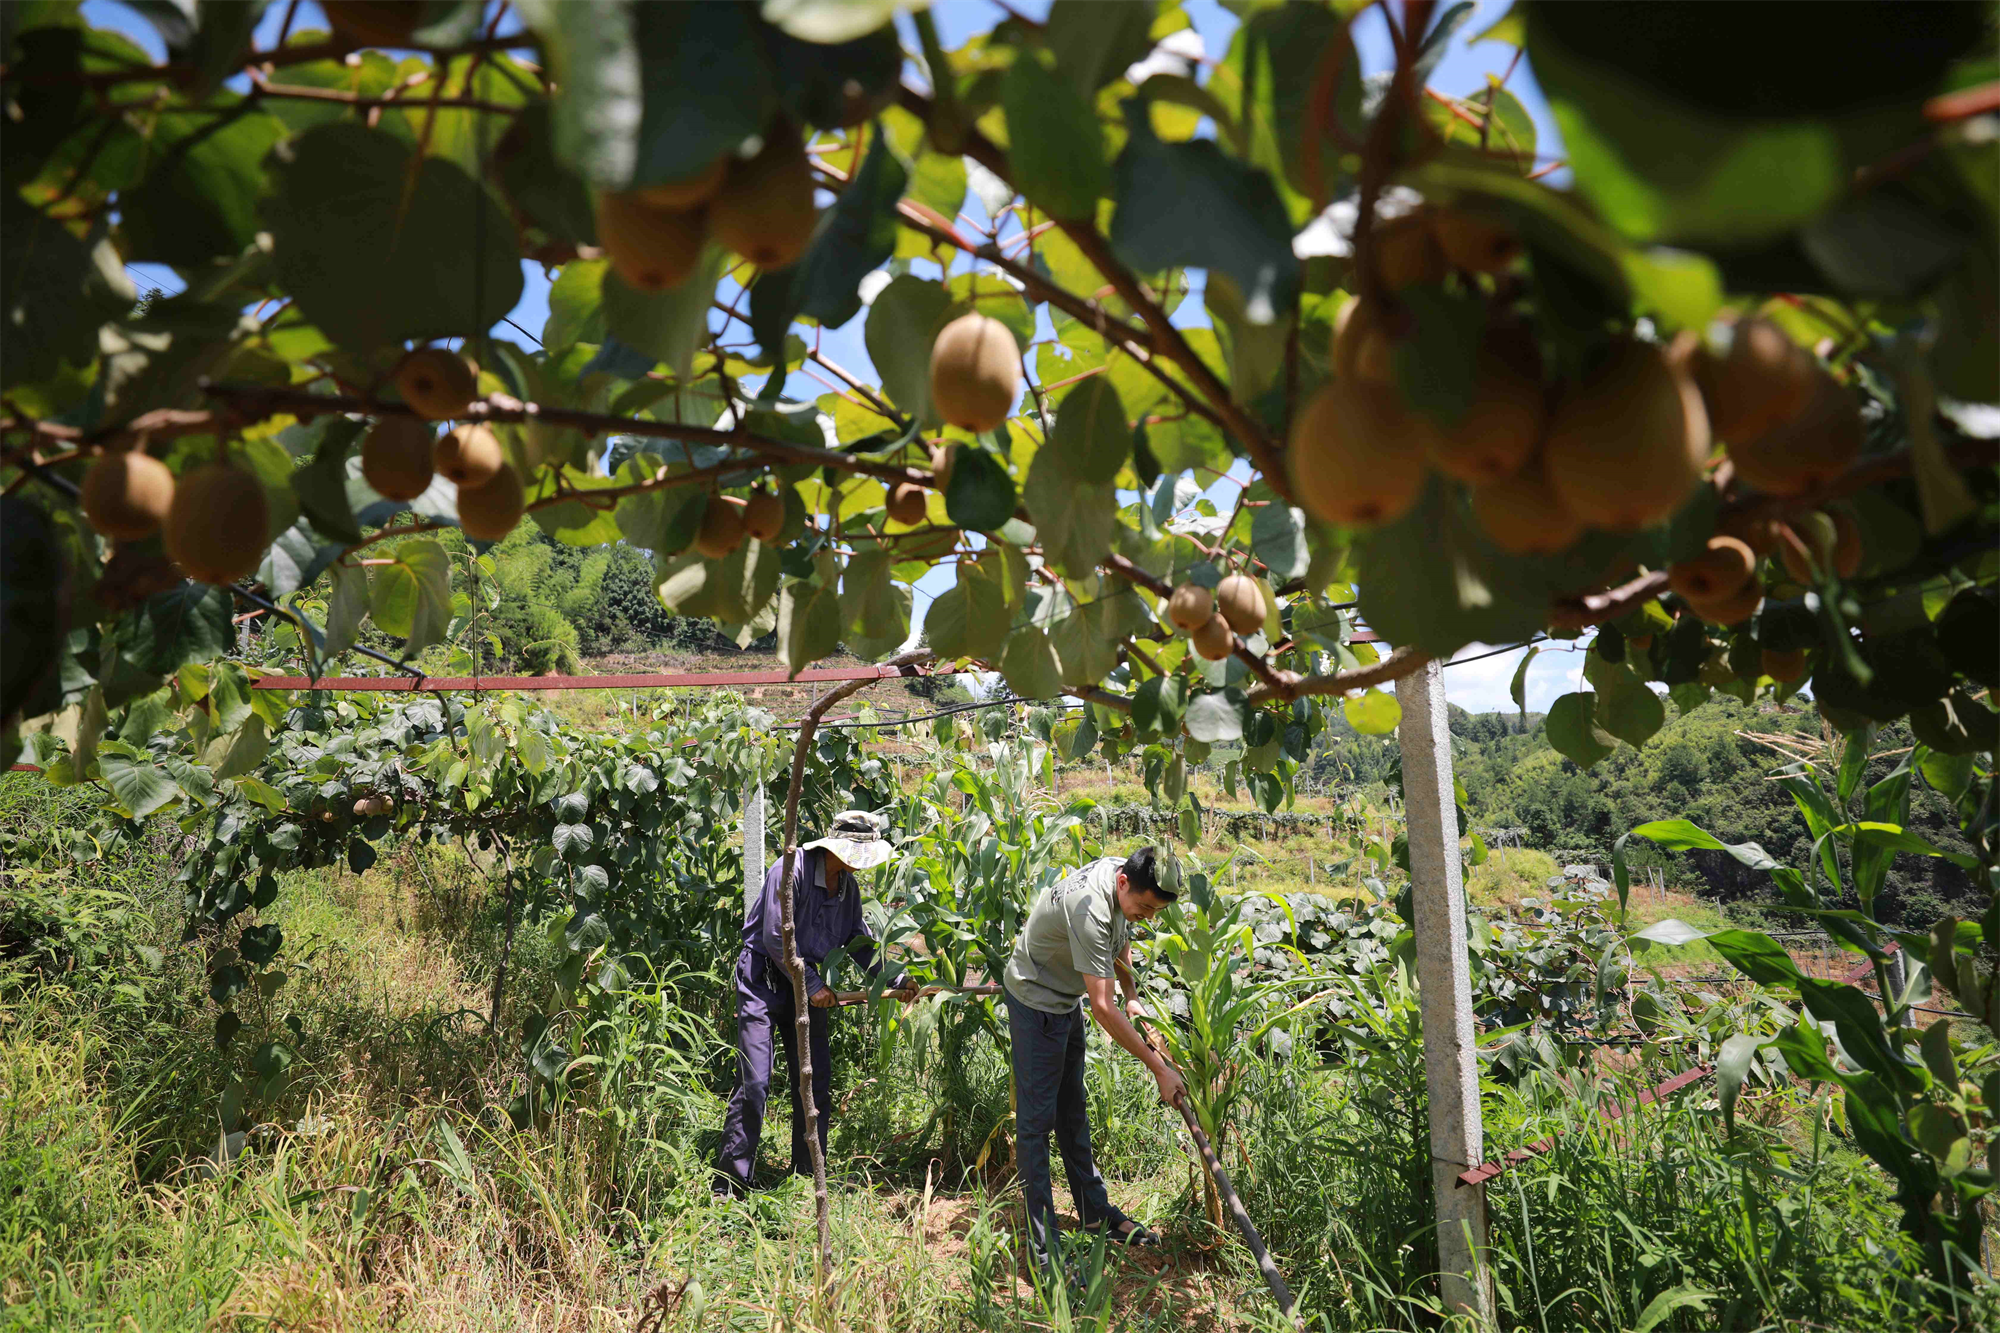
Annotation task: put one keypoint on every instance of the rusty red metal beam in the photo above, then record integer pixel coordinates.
(637, 681)
(1479, 1175)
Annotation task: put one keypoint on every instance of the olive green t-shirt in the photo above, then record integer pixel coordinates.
(1073, 931)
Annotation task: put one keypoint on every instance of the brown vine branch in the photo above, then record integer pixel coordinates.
(795, 965)
(500, 407)
(302, 54)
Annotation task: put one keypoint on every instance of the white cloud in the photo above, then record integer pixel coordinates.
(1484, 686)
(1176, 54)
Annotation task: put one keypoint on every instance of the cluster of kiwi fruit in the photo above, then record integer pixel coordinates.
(1619, 449)
(374, 805)
(1213, 620)
(213, 520)
(760, 206)
(400, 455)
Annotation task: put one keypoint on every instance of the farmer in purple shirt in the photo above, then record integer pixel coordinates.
(826, 910)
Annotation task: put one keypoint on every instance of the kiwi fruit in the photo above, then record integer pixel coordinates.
(651, 248)
(1521, 515)
(469, 455)
(126, 496)
(219, 523)
(1241, 603)
(396, 458)
(1627, 444)
(1733, 608)
(975, 372)
(689, 191)
(1474, 245)
(721, 530)
(1723, 567)
(1354, 455)
(763, 516)
(1407, 252)
(489, 510)
(1783, 666)
(1189, 607)
(1762, 380)
(436, 383)
(1213, 639)
(944, 456)
(1507, 416)
(1361, 345)
(764, 210)
(906, 503)
(1759, 534)
(372, 805)
(373, 22)
(1807, 451)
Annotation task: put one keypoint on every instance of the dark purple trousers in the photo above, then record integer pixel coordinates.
(764, 1004)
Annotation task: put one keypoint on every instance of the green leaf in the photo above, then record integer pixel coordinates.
(808, 624)
(1158, 707)
(411, 598)
(875, 608)
(1294, 64)
(576, 304)
(1054, 143)
(1091, 439)
(1217, 717)
(664, 522)
(1437, 366)
(1626, 708)
(377, 253)
(1519, 687)
(1572, 729)
(1086, 642)
(539, 183)
(1028, 662)
(902, 324)
(137, 784)
(969, 619)
(981, 496)
(1685, 1296)
(199, 200)
(1074, 519)
(54, 292)
(1732, 1064)
(667, 326)
(346, 607)
(1188, 205)
(1373, 712)
(1094, 43)
(189, 623)
(1278, 538)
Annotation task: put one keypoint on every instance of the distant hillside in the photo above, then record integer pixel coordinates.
(1699, 767)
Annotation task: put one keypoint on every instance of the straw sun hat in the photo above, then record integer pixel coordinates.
(858, 838)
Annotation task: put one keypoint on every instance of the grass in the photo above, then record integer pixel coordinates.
(381, 1186)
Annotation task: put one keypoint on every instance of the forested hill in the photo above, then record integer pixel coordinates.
(1702, 766)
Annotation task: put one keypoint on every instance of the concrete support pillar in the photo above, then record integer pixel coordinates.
(753, 844)
(1451, 1062)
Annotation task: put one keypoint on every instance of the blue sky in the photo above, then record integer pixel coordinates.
(1479, 686)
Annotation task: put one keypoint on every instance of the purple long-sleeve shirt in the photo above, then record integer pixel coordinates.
(824, 921)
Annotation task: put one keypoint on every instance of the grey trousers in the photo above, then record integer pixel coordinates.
(1048, 1052)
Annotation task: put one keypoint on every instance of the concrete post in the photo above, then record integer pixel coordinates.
(1451, 1062)
(753, 844)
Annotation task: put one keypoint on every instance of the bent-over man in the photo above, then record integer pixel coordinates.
(826, 913)
(1076, 941)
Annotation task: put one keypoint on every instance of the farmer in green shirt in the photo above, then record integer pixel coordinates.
(1075, 944)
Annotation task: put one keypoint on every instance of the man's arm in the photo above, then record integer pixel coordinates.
(1104, 1008)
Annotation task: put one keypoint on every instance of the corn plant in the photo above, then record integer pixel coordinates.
(1222, 1008)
